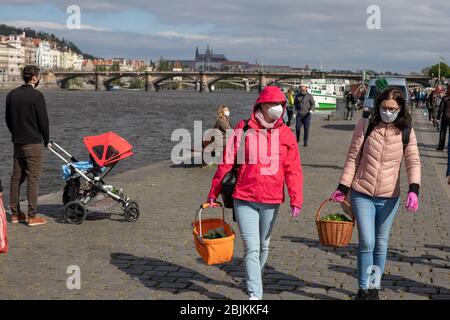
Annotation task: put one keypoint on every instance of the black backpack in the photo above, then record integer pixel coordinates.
(71, 190)
(368, 128)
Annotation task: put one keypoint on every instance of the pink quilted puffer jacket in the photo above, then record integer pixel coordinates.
(378, 172)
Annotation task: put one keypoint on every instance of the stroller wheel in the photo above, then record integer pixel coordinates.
(75, 212)
(131, 211)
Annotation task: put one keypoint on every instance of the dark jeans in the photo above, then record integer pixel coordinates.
(27, 165)
(432, 114)
(443, 132)
(350, 111)
(290, 113)
(448, 155)
(303, 121)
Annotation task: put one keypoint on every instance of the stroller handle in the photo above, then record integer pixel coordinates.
(53, 144)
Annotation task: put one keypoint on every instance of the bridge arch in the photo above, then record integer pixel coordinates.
(157, 82)
(231, 78)
(63, 80)
(108, 81)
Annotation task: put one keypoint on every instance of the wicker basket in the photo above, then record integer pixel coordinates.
(334, 233)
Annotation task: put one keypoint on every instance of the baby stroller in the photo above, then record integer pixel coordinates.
(105, 151)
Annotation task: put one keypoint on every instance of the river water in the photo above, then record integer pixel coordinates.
(146, 120)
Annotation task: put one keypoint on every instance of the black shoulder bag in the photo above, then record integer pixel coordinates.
(230, 179)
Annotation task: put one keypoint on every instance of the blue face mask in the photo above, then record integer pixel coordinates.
(388, 116)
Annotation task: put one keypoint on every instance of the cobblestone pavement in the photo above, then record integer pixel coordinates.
(155, 258)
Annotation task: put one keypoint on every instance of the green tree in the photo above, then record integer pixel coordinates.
(163, 65)
(75, 83)
(136, 83)
(7, 30)
(434, 70)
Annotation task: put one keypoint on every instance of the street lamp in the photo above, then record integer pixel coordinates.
(441, 59)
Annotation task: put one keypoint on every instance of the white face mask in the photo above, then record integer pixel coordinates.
(388, 116)
(275, 112)
(226, 113)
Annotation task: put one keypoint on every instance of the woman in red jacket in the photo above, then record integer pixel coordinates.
(271, 159)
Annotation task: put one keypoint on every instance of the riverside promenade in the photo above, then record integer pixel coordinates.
(155, 258)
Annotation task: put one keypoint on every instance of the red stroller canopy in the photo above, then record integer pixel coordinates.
(108, 148)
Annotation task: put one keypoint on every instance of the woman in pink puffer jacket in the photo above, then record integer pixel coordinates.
(372, 172)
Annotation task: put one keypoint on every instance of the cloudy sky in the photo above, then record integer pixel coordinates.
(413, 34)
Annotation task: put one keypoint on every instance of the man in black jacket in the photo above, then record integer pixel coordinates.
(304, 105)
(444, 116)
(27, 120)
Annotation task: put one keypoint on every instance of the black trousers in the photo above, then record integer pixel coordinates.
(443, 131)
(290, 113)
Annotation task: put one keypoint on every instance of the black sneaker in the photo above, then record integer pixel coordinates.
(305, 144)
(362, 295)
(373, 294)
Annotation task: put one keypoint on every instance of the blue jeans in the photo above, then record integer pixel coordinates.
(374, 217)
(255, 222)
(302, 121)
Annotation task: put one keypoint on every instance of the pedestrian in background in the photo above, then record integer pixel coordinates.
(443, 115)
(423, 98)
(27, 120)
(448, 159)
(223, 122)
(259, 188)
(350, 105)
(417, 98)
(223, 127)
(431, 107)
(372, 174)
(304, 106)
(1, 192)
(290, 100)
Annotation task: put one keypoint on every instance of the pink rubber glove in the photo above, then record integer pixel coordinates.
(412, 202)
(338, 196)
(212, 202)
(295, 211)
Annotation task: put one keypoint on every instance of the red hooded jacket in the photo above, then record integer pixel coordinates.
(262, 176)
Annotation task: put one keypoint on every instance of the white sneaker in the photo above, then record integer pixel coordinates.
(253, 297)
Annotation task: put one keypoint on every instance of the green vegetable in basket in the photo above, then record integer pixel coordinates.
(336, 217)
(214, 234)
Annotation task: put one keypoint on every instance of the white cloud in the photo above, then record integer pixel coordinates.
(47, 25)
(174, 34)
(414, 33)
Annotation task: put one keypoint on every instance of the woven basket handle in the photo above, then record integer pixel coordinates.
(319, 211)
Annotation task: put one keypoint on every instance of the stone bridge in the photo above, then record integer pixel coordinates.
(203, 80)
